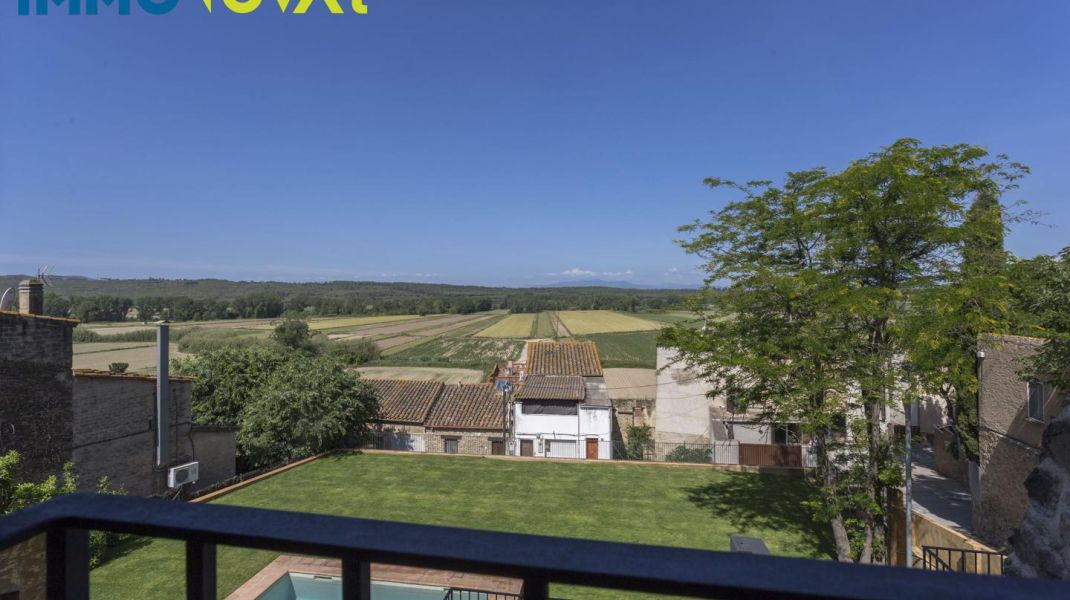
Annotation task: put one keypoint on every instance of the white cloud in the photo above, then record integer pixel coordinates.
(580, 272)
(672, 270)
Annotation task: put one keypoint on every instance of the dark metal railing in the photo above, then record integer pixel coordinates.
(961, 560)
(466, 594)
(536, 560)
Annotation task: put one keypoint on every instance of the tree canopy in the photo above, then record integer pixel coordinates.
(828, 280)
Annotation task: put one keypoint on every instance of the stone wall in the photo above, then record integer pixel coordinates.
(469, 442)
(22, 569)
(216, 449)
(1041, 546)
(632, 411)
(1009, 443)
(114, 431)
(35, 388)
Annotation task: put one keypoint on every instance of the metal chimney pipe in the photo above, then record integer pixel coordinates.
(163, 393)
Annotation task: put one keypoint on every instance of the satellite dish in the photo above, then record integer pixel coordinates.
(7, 301)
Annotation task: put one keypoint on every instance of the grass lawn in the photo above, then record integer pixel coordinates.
(688, 507)
(513, 326)
(585, 322)
(636, 349)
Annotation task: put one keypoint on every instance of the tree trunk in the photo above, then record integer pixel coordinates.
(843, 543)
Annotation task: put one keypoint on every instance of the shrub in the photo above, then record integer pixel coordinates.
(306, 406)
(202, 341)
(683, 454)
(354, 352)
(640, 442)
(118, 367)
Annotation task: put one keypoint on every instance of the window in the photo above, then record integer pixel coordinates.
(452, 445)
(1038, 393)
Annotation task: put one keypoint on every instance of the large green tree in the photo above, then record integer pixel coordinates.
(826, 279)
(307, 406)
(1043, 292)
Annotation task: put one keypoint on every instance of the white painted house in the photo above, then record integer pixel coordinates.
(562, 408)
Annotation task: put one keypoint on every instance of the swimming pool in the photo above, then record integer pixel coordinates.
(302, 586)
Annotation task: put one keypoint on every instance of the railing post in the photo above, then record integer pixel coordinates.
(356, 579)
(536, 589)
(67, 564)
(200, 571)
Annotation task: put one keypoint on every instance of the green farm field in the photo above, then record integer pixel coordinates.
(586, 322)
(544, 325)
(632, 349)
(642, 504)
(513, 326)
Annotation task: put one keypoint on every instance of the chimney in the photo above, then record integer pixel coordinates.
(163, 394)
(31, 297)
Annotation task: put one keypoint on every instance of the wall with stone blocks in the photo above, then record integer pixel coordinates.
(114, 431)
(35, 391)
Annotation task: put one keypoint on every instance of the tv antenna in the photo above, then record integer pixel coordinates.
(44, 275)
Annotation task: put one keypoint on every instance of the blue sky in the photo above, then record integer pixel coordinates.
(488, 142)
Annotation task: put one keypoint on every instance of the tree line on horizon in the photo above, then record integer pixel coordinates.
(269, 305)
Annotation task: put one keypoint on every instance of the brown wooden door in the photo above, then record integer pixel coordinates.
(527, 448)
(497, 447)
(592, 448)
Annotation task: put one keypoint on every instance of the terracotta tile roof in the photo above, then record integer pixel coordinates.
(405, 401)
(552, 387)
(468, 406)
(564, 358)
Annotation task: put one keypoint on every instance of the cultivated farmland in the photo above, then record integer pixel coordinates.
(140, 357)
(343, 322)
(636, 349)
(544, 325)
(513, 326)
(585, 322)
(443, 374)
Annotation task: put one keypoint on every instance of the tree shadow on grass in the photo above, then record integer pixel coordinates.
(757, 504)
(120, 548)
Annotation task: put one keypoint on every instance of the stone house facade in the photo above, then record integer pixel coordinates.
(1012, 414)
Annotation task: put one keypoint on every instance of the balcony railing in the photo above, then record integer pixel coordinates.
(979, 562)
(536, 560)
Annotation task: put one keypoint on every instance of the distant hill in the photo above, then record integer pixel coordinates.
(627, 285)
(220, 289)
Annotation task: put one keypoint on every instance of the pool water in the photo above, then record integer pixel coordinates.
(301, 586)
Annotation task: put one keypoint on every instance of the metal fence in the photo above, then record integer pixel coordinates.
(465, 594)
(978, 562)
(537, 561)
(719, 453)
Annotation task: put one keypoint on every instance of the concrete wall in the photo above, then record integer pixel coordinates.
(589, 422)
(946, 464)
(402, 436)
(927, 532)
(682, 406)
(35, 391)
(216, 449)
(113, 431)
(1009, 442)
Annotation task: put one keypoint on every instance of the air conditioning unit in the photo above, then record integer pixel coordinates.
(183, 474)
